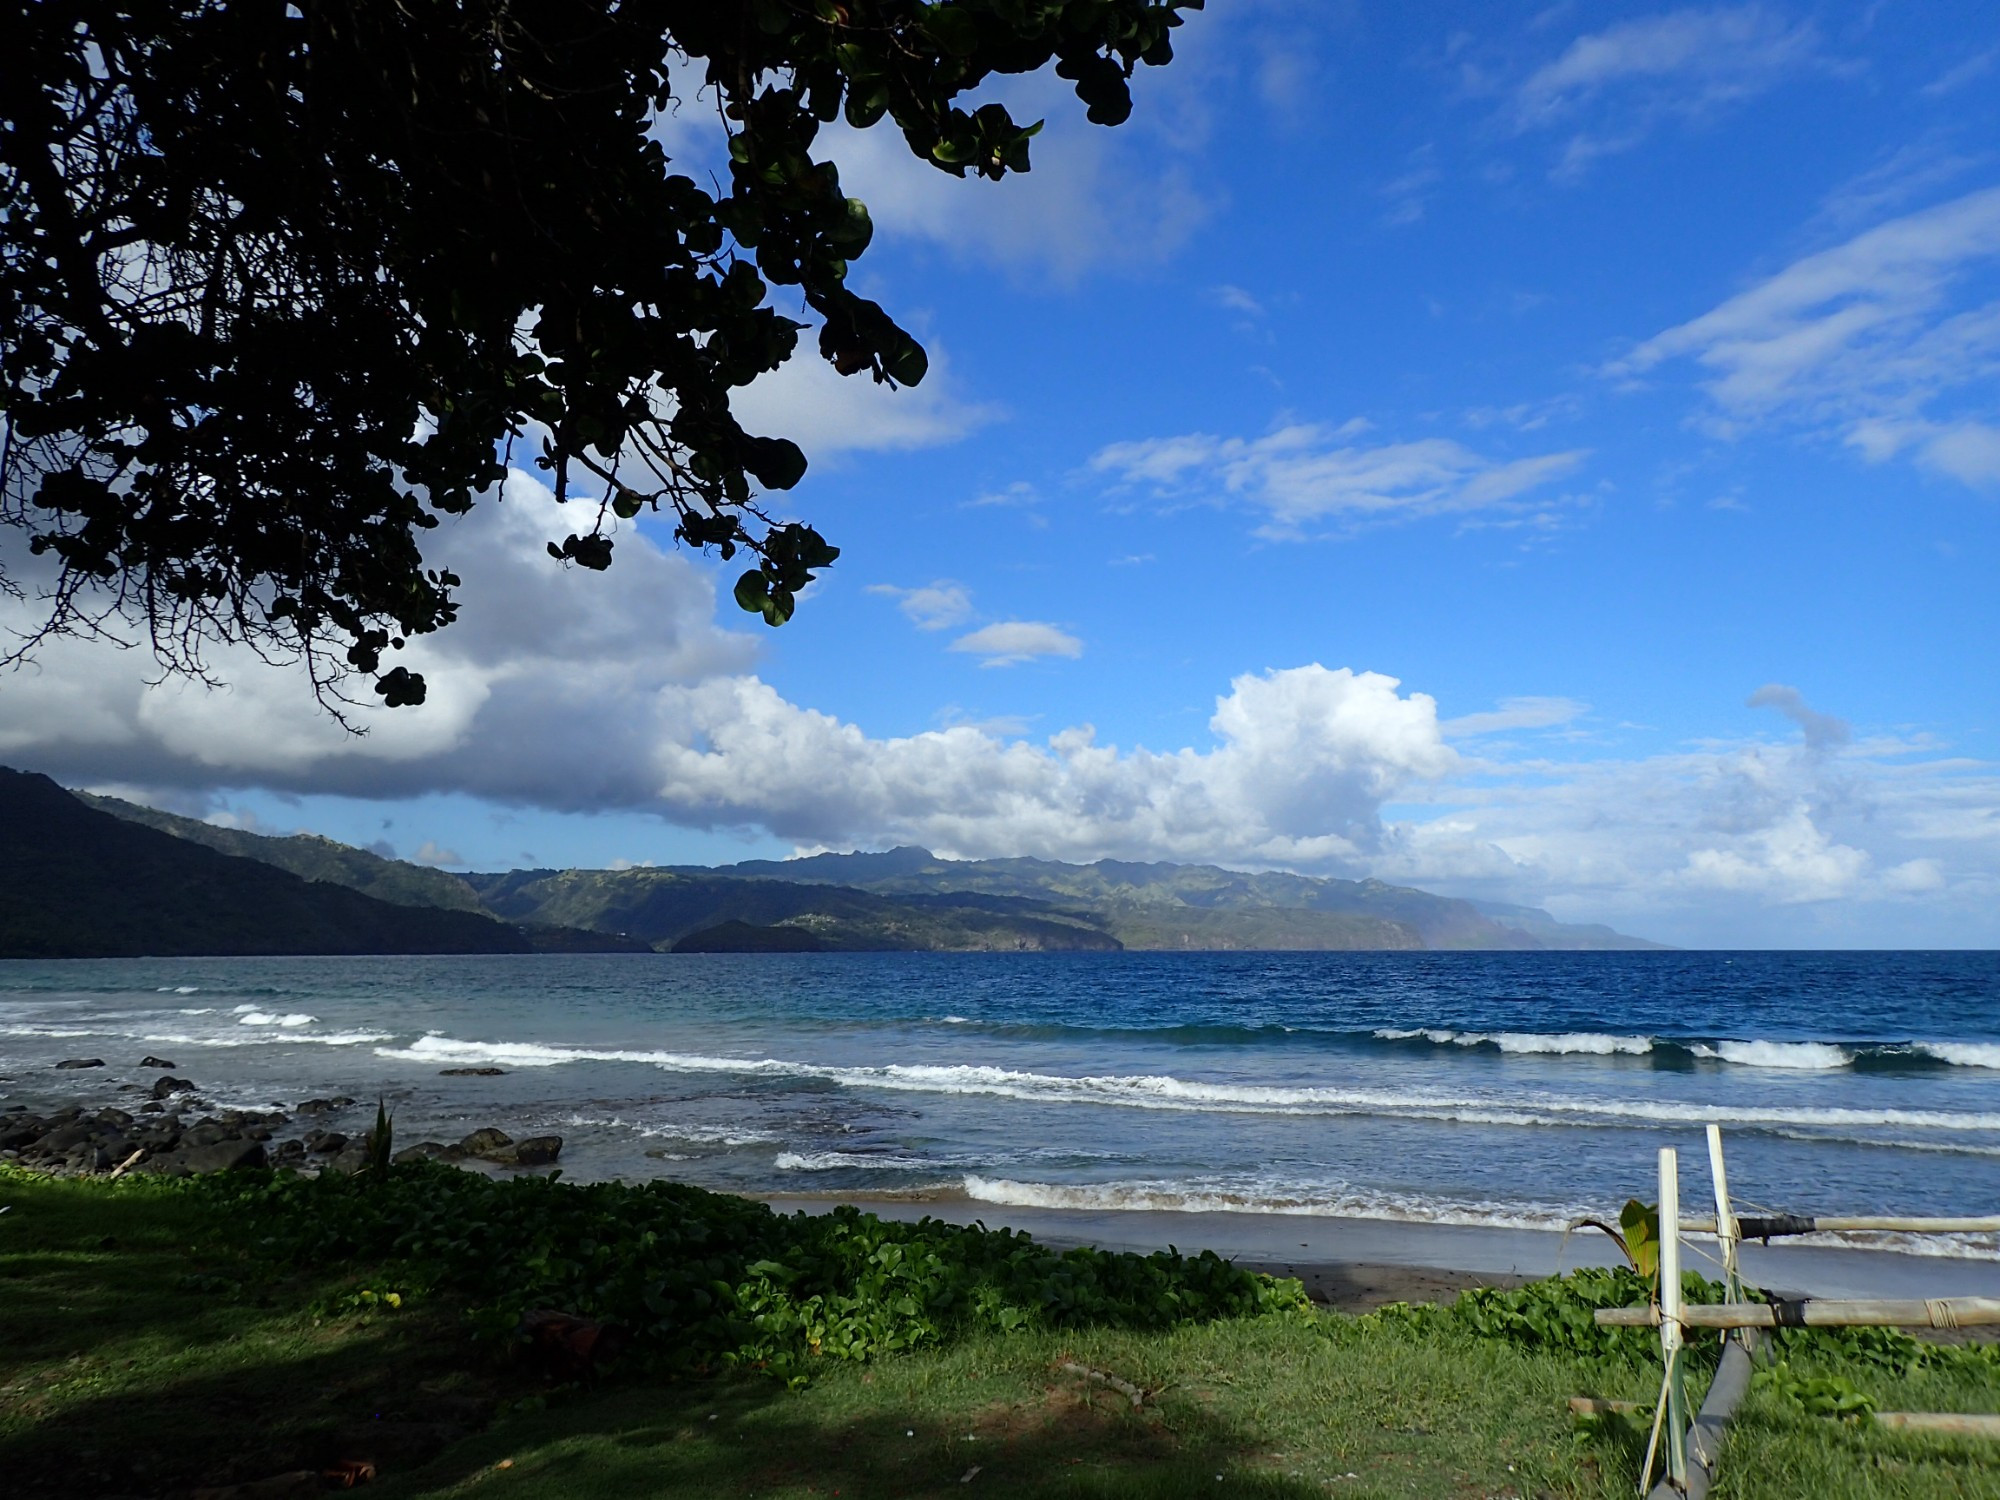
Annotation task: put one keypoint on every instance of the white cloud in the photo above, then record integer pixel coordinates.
(826, 413)
(536, 694)
(432, 853)
(934, 606)
(1682, 64)
(1303, 761)
(1305, 475)
(1007, 642)
(1516, 713)
(1864, 341)
(1093, 198)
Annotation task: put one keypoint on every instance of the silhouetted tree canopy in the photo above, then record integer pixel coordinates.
(283, 280)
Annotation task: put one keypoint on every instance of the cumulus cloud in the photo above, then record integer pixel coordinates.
(1632, 76)
(1303, 760)
(537, 693)
(934, 606)
(1874, 340)
(1006, 642)
(1307, 475)
(620, 693)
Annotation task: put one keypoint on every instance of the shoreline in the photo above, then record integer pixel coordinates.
(1364, 1262)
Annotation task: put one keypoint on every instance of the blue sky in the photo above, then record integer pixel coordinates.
(1619, 380)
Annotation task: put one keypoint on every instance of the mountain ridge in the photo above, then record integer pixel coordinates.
(908, 899)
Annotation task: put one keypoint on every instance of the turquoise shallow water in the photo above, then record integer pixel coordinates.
(1501, 1089)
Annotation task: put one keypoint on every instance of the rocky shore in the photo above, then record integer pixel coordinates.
(175, 1133)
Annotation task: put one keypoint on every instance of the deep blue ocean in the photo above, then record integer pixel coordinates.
(1511, 1089)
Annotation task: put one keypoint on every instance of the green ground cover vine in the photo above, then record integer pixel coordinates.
(703, 1281)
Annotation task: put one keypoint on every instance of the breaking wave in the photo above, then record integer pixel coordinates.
(1166, 1092)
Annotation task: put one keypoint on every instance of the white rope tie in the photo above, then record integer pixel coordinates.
(1940, 1309)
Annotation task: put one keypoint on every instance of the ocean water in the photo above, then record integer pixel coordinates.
(1516, 1090)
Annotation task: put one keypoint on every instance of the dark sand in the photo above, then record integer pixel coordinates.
(1362, 1263)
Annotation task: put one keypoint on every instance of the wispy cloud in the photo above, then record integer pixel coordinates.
(1008, 642)
(1957, 77)
(1821, 731)
(1871, 340)
(1308, 475)
(1611, 89)
(1516, 713)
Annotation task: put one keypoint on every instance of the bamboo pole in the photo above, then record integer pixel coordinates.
(1670, 1316)
(1812, 1312)
(1725, 1221)
(1783, 1224)
(1725, 1394)
(1958, 1423)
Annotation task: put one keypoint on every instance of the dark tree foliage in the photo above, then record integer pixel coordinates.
(282, 280)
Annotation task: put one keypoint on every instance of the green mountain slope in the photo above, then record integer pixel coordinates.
(909, 899)
(79, 883)
(1204, 906)
(663, 906)
(309, 857)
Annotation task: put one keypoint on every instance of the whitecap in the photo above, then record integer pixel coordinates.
(1805, 1056)
(1165, 1092)
(252, 1017)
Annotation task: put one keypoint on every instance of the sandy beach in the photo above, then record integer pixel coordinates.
(1356, 1264)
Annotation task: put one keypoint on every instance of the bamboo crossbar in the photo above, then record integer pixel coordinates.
(1817, 1312)
(1771, 1226)
(1961, 1424)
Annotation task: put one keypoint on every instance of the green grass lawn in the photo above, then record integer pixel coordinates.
(151, 1340)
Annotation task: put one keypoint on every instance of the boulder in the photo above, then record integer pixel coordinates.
(150, 1061)
(351, 1160)
(536, 1151)
(223, 1156)
(168, 1085)
(487, 1142)
(81, 1062)
(324, 1106)
(428, 1151)
(472, 1072)
(207, 1133)
(325, 1142)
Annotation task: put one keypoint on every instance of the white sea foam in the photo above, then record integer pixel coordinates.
(242, 1010)
(836, 1161)
(956, 1020)
(699, 1135)
(1593, 1043)
(208, 1010)
(1807, 1056)
(1305, 1200)
(178, 989)
(1165, 1092)
(1963, 1054)
(249, 1017)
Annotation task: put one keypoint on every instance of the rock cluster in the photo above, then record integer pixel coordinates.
(165, 1137)
(489, 1145)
